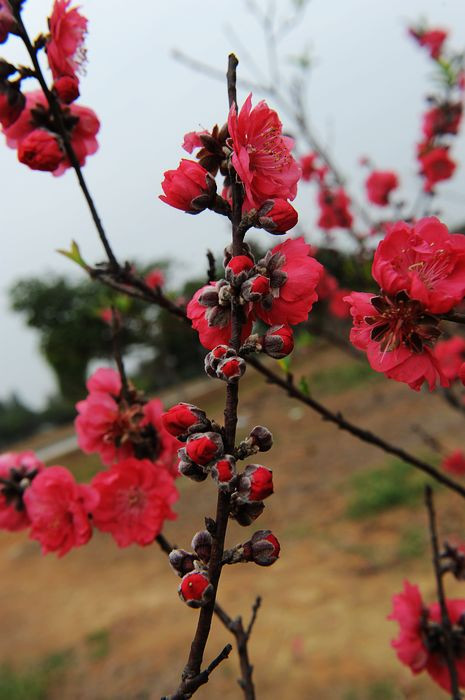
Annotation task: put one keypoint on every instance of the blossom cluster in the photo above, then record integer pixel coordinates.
(420, 269)
(33, 121)
(131, 499)
(203, 455)
(442, 119)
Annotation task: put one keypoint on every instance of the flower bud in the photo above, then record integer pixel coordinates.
(214, 357)
(182, 562)
(187, 468)
(202, 545)
(223, 471)
(255, 288)
(245, 513)
(231, 369)
(256, 483)
(238, 268)
(203, 448)
(263, 548)
(184, 419)
(183, 185)
(278, 341)
(262, 438)
(280, 218)
(67, 88)
(195, 589)
(40, 150)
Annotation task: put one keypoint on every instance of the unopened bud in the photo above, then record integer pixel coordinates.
(231, 369)
(195, 589)
(245, 513)
(181, 561)
(223, 471)
(183, 419)
(280, 218)
(187, 468)
(238, 269)
(202, 545)
(278, 341)
(263, 548)
(262, 438)
(203, 448)
(255, 288)
(256, 483)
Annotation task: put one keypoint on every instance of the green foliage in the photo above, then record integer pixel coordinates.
(32, 684)
(98, 644)
(339, 379)
(381, 489)
(16, 420)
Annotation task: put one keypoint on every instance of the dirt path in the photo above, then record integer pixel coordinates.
(114, 623)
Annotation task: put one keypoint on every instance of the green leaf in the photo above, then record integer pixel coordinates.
(303, 386)
(74, 254)
(285, 363)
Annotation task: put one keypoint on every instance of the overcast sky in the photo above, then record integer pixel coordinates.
(365, 96)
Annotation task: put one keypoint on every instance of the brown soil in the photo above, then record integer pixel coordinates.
(322, 630)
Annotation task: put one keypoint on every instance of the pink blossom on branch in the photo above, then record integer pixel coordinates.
(117, 430)
(7, 20)
(454, 463)
(379, 185)
(436, 165)
(443, 119)
(431, 39)
(59, 510)
(425, 261)
(65, 47)
(294, 275)
(40, 150)
(334, 209)
(183, 185)
(450, 355)
(396, 333)
(419, 644)
(211, 318)
(135, 499)
(262, 154)
(17, 471)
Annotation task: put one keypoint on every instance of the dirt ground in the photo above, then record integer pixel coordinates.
(106, 623)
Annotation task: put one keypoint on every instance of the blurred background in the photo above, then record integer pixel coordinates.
(106, 624)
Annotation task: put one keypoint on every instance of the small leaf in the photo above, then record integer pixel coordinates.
(303, 386)
(285, 363)
(74, 254)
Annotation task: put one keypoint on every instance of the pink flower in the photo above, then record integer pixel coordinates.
(12, 103)
(17, 471)
(155, 278)
(82, 132)
(67, 88)
(192, 140)
(310, 170)
(436, 165)
(283, 217)
(443, 119)
(450, 354)
(183, 185)
(135, 500)
(379, 185)
(454, 463)
(262, 155)
(334, 209)
(419, 644)
(337, 306)
(432, 39)
(396, 333)
(40, 150)
(211, 316)
(294, 275)
(59, 510)
(118, 429)
(425, 261)
(65, 47)
(7, 20)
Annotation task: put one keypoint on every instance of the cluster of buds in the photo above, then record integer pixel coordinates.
(224, 363)
(263, 549)
(195, 588)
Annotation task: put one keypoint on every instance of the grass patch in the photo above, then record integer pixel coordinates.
(98, 644)
(379, 690)
(381, 489)
(32, 684)
(339, 379)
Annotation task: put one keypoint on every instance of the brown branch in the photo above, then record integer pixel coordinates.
(445, 620)
(192, 668)
(60, 125)
(454, 317)
(211, 272)
(191, 685)
(115, 333)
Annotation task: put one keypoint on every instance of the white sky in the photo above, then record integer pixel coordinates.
(365, 96)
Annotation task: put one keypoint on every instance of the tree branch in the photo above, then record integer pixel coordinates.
(445, 620)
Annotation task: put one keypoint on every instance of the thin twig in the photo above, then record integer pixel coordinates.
(115, 332)
(190, 686)
(445, 620)
(59, 123)
(211, 272)
(255, 608)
